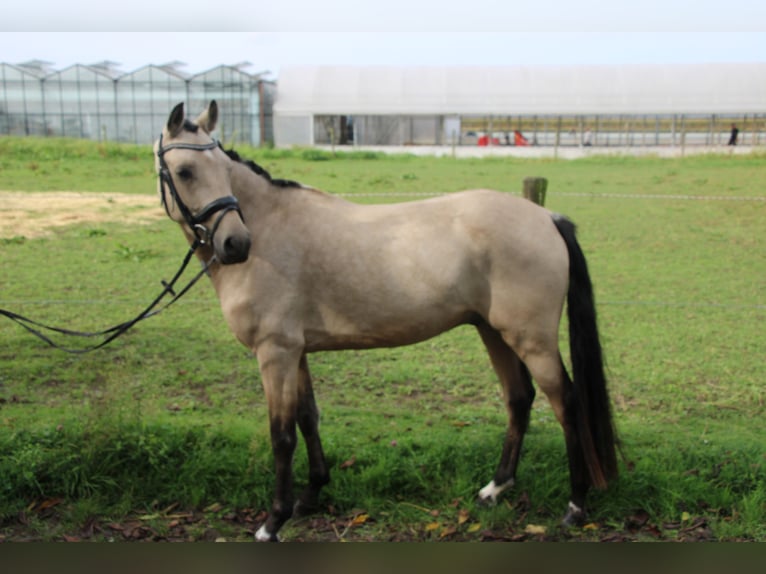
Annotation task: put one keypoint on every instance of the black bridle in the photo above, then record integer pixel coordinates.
(195, 222)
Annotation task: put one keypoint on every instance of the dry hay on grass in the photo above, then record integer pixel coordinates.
(36, 214)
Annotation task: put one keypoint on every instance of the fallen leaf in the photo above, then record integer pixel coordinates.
(360, 519)
(638, 519)
(348, 464)
(431, 526)
(590, 526)
(475, 527)
(697, 523)
(49, 503)
(535, 529)
(181, 516)
(447, 531)
(89, 527)
(614, 537)
(685, 516)
(462, 516)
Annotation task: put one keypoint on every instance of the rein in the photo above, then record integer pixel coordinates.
(37, 328)
(203, 236)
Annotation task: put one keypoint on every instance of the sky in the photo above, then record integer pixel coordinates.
(273, 35)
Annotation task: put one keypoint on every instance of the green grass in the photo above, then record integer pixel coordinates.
(173, 412)
(69, 164)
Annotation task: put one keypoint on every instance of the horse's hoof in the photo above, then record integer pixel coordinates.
(489, 494)
(575, 516)
(264, 535)
(303, 509)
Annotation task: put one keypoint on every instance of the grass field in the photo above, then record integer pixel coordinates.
(168, 423)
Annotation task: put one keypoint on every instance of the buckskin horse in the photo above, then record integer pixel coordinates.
(298, 271)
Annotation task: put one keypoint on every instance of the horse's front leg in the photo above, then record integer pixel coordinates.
(308, 422)
(280, 374)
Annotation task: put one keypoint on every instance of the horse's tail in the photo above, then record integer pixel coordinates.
(595, 428)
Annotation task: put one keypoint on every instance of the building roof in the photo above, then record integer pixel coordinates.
(515, 90)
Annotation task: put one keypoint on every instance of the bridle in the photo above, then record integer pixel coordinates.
(195, 222)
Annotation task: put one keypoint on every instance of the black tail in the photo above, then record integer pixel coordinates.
(595, 427)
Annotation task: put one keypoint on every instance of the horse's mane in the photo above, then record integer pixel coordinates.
(234, 156)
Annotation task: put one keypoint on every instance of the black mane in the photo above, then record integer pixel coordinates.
(233, 155)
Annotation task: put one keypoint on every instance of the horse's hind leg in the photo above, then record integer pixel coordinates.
(518, 394)
(578, 472)
(308, 422)
(549, 373)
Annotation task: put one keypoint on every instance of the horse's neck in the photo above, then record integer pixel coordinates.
(260, 196)
(251, 189)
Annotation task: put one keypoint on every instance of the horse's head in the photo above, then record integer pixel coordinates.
(195, 184)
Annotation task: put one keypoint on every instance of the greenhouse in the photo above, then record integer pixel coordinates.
(98, 102)
(21, 100)
(92, 115)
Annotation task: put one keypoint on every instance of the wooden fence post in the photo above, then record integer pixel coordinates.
(535, 188)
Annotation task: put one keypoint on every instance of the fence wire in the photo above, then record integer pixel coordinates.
(616, 303)
(605, 195)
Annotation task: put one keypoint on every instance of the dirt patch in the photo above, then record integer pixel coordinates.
(35, 214)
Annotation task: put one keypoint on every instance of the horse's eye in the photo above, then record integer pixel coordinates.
(185, 173)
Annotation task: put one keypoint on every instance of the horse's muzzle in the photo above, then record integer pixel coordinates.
(234, 249)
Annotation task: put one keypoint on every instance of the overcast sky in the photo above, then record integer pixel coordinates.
(272, 35)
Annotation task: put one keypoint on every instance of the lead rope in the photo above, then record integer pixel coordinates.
(202, 237)
(37, 328)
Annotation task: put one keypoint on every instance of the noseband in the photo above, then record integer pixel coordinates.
(195, 222)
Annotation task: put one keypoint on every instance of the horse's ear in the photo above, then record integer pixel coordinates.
(209, 117)
(176, 120)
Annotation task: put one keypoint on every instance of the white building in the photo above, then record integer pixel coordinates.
(381, 105)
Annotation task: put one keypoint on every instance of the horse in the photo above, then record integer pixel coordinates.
(299, 271)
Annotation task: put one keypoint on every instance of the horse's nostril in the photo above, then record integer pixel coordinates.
(235, 249)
